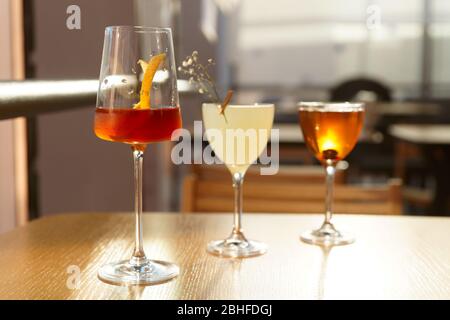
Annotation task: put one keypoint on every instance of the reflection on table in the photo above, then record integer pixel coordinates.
(393, 258)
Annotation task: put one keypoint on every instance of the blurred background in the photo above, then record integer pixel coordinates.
(390, 54)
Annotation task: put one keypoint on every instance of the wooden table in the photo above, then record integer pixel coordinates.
(375, 112)
(407, 108)
(431, 134)
(434, 141)
(393, 257)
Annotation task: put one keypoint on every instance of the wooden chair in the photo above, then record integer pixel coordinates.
(290, 191)
(294, 174)
(419, 197)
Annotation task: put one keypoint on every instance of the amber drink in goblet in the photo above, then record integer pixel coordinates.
(137, 104)
(330, 131)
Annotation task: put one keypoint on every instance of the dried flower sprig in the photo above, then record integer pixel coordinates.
(198, 75)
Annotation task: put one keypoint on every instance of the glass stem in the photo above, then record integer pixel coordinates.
(138, 257)
(238, 179)
(330, 169)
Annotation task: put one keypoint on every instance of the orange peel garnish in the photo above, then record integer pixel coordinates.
(149, 69)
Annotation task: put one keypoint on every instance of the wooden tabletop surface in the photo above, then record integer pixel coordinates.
(393, 257)
(437, 134)
(406, 108)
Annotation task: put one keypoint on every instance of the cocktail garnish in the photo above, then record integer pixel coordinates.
(149, 68)
(226, 102)
(199, 76)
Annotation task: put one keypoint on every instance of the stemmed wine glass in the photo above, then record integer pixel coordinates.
(330, 131)
(238, 136)
(137, 104)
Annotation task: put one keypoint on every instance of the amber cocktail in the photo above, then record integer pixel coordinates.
(331, 134)
(330, 131)
(137, 104)
(136, 126)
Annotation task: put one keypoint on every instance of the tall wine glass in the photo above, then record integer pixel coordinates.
(238, 137)
(137, 104)
(330, 131)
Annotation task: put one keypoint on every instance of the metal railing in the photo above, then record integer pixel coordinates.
(33, 97)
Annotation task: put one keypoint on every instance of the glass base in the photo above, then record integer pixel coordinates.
(236, 246)
(149, 272)
(327, 235)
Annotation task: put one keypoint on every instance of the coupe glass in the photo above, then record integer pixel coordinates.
(137, 104)
(330, 131)
(238, 137)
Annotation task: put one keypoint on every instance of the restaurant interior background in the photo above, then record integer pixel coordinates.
(393, 55)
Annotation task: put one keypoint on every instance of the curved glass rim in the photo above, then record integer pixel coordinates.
(140, 28)
(330, 106)
(266, 105)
